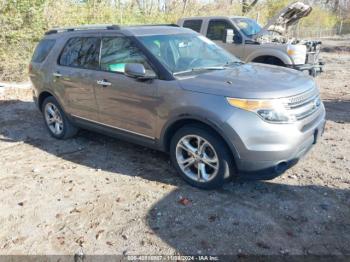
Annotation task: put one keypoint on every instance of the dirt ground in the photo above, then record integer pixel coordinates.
(105, 196)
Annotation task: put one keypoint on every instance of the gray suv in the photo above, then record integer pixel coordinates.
(174, 90)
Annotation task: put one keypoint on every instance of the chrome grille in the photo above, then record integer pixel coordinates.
(313, 52)
(303, 105)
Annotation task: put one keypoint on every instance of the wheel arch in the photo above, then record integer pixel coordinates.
(264, 59)
(284, 58)
(41, 98)
(172, 127)
(45, 94)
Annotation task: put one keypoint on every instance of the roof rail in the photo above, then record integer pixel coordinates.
(98, 27)
(83, 27)
(174, 25)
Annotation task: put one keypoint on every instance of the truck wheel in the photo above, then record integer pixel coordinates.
(56, 121)
(201, 157)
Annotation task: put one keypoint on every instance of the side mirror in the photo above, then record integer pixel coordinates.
(228, 36)
(137, 70)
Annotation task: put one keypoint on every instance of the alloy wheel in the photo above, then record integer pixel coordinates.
(197, 158)
(53, 119)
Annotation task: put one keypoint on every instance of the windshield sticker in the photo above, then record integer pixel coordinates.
(184, 44)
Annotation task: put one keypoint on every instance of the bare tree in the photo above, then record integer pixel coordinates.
(145, 6)
(246, 6)
(185, 2)
(333, 4)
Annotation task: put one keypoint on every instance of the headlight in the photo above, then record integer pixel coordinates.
(297, 53)
(271, 110)
(292, 52)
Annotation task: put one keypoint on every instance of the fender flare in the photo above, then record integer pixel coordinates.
(164, 143)
(270, 52)
(52, 94)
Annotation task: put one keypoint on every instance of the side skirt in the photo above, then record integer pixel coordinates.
(115, 132)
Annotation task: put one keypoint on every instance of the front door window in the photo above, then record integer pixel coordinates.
(118, 51)
(216, 31)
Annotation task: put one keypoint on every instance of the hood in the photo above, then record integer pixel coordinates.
(286, 18)
(250, 81)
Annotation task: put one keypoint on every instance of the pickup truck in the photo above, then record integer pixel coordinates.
(271, 44)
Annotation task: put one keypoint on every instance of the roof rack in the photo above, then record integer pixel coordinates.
(84, 27)
(98, 27)
(174, 25)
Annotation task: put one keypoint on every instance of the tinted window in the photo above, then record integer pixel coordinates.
(216, 30)
(193, 24)
(118, 51)
(82, 52)
(42, 50)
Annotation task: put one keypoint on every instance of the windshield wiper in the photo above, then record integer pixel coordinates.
(234, 63)
(196, 69)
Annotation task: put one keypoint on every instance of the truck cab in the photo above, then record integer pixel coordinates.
(247, 40)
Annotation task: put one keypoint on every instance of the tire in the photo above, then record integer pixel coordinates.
(66, 128)
(212, 147)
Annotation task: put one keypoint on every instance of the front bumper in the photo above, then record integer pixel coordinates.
(271, 169)
(310, 69)
(265, 150)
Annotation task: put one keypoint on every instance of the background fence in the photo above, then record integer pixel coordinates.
(318, 32)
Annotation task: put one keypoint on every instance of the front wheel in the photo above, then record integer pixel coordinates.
(201, 157)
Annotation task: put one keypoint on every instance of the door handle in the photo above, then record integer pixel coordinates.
(103, 83)
(56, 74)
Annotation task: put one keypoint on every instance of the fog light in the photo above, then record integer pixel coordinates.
(272, 115)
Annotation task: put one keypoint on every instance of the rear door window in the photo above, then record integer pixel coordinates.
(42, 50)
(81, 52)
(193, 24)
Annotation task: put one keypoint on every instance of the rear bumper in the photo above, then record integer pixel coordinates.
(35, 99)
(311, 69)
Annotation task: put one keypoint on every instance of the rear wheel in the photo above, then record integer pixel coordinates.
(56, 121)
(201, 157)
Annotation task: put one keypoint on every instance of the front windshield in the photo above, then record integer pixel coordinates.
(248, 26)
(187, 52)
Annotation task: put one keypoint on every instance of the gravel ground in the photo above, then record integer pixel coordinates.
(105, 196)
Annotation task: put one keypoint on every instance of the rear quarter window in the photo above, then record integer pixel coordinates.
(42, 50)
(193, 24)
